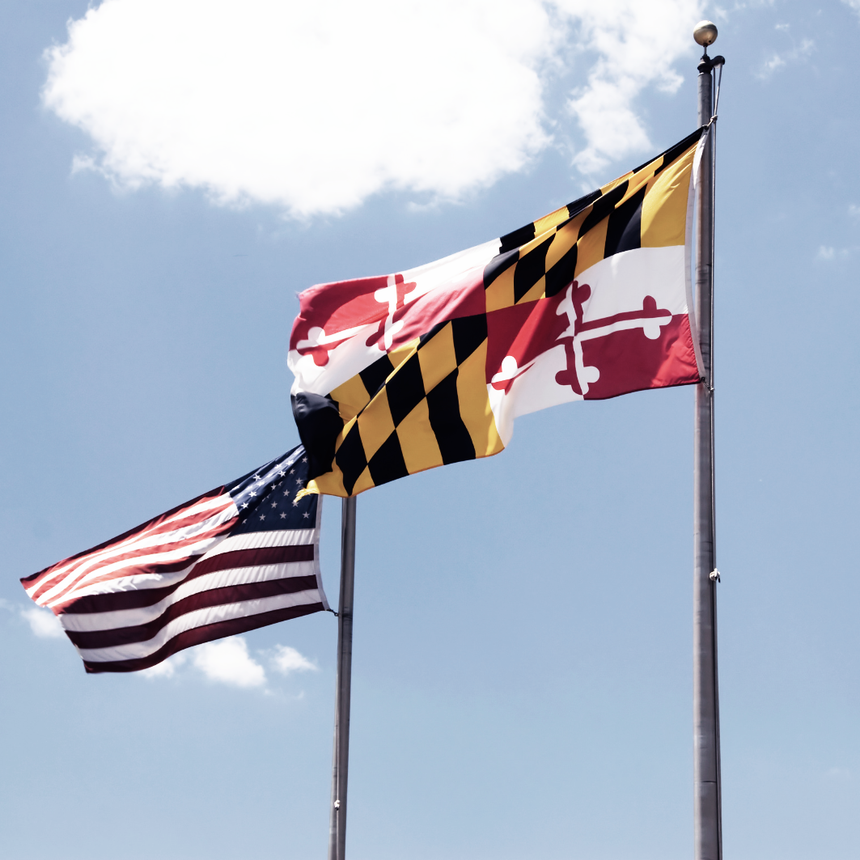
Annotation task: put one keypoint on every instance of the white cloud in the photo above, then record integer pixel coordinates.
(310, 107)
(43, 623)
(853, 208)
(827, 253)
(286, 660)
(853, 4)
(636, 45)
(166, 668)
(228, 662)
(780, 59)
(315, 108)
(770, 65)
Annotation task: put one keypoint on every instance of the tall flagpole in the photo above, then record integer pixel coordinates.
(706, 705)
(340, 758)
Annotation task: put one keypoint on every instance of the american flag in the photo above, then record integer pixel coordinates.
(239, 557)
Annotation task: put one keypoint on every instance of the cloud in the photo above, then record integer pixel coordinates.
(166, 668)
(853, 208)
(853, 4)
(636, 46)
(778, 60)
(311, 107)
(287, 660)
(43, 623)
(315, 108)
(228, 662)
(828, 253)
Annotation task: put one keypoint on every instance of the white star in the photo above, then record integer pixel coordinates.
(274, 504)
(306, 515)
(304, 459)
(281, 472)
(253, 493)
(257, 478)
(286, 492)
(262, 516)
(295, 502)
(244, 505)
(283, 516)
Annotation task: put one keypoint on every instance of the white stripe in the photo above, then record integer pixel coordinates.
(217, 579)
(98, 568)
(123, 546)
(86, 586)
(77, 570)
(256, 540)
(199, 618)
(134, 582)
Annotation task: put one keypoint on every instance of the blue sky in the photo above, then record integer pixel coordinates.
(173, 174)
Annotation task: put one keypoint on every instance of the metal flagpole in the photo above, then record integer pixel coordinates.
(340, 758)
(706, 706)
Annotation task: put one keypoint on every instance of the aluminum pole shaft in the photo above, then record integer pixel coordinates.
(340, 764)
(706, 718)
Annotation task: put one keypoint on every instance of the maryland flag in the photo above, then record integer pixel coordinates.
(404, 372)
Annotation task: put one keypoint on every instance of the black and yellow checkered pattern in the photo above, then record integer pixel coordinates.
(417, 407)
(425, 404)
(542, 258)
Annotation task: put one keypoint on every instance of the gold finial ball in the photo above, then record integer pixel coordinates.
(705, 33)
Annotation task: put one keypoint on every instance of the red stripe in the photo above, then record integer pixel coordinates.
(140, 597)
(255, 557)
(122, 550)
(206, 599)
(94, 560)
(204, 634)
(212, 494)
